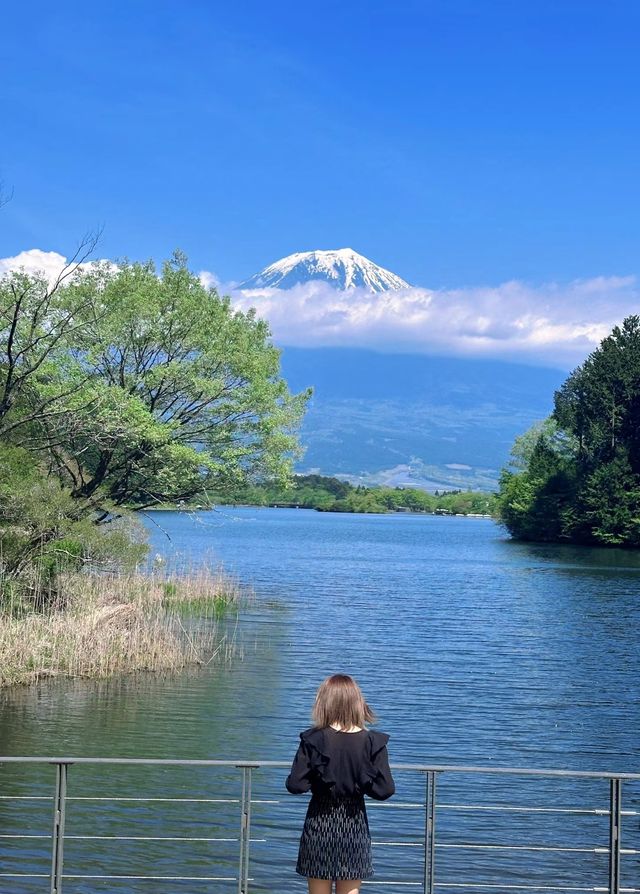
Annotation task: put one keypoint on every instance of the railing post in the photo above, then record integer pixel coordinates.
(57, 838)
(615, 830)
(429, 832)
(245, 831)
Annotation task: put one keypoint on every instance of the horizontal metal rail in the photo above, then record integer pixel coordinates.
(426, 834)
(257, 764)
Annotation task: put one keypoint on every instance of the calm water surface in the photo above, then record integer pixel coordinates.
(473, 650)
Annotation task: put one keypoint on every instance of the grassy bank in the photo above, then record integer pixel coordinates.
(101, 625)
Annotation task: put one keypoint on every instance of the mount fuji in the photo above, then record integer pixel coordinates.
(401, 419)
(342, 268)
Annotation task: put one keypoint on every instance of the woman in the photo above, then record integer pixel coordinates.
(340, 761)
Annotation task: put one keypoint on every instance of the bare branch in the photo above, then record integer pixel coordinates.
(5, 197)
(84, 250)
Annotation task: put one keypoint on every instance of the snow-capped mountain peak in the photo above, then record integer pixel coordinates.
(342, 268)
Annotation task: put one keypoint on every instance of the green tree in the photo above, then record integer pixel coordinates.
(535, 503)
(39, 379)
(611, 503)
(44, 531)
(577, 476)
(548, 430)
(187, 393)
(599, 404)
(120, 389)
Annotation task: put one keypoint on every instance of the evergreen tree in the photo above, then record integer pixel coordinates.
(579, 478)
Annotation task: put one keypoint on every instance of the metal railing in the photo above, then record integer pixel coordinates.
(422, 832)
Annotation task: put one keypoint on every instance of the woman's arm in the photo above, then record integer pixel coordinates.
(299, 779)
(383, 786)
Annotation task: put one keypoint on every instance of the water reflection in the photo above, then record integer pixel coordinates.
(472, 648)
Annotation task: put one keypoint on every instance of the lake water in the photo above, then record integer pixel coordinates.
(472, 649)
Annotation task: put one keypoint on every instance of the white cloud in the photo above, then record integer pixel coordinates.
(555, 324)
(49, 263)
(209, 280)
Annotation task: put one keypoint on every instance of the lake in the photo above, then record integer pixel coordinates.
(471, 648)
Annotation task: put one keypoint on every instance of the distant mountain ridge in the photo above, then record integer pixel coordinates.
(414, 420)
(341, 268)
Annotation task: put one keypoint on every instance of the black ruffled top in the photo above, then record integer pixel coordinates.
(333, 762)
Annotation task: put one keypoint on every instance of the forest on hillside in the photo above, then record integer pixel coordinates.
(328, 494)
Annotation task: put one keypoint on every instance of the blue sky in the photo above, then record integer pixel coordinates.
(456, 143)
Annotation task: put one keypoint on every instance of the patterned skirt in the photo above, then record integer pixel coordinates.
(335, 841)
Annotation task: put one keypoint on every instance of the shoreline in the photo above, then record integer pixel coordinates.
(197, 508)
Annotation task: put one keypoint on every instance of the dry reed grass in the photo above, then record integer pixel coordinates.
(101, 625)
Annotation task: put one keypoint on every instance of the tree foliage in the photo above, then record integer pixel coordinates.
(577, 477)
(38, 320)
(189, 394)
(45, 531)
(122, 388)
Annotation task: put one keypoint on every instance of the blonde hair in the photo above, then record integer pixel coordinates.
(340, 702)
